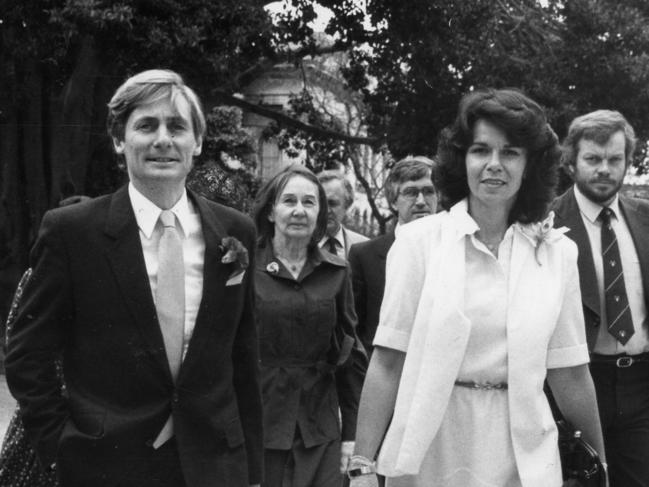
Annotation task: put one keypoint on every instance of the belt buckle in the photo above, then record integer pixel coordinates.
(624, 362)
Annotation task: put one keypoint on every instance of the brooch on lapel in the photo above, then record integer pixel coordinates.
(540, 232)
(273, 268)
(236, 254)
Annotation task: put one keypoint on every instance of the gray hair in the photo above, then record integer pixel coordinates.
(331, 175)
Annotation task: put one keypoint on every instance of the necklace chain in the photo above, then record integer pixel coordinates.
(492, 246)
(293, 265)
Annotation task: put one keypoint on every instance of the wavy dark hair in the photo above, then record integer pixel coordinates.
(524, 123)
(267, 197)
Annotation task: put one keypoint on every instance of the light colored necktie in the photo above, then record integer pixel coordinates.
(170, 302)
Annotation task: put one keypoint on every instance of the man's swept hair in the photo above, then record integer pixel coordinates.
(148, 87)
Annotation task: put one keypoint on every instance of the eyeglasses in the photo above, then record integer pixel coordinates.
(412, 192)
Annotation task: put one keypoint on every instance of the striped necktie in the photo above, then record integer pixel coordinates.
(618, 313)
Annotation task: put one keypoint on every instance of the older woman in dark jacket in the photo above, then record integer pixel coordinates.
(312, 370)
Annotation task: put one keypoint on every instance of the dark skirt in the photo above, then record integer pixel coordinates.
(318, 466)
(19, 466)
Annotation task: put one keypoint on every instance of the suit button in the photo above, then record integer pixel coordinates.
(596, 322)
(174, 398)
(296, 287)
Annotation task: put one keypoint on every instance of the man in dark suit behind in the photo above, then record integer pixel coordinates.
(612, 233)
(411, 195)
(340, 197)
(152, 321)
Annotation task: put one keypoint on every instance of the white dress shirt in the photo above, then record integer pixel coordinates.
(147, 216)
(606, 343)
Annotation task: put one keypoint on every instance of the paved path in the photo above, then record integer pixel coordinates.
(7, 405)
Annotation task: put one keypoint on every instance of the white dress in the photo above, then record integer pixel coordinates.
(460, 313)
(473, 447)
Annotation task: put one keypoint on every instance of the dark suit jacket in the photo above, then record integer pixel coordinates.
(636, 214)
(90, 303)
(367, 263)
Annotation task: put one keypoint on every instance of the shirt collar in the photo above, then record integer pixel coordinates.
(147, 213)
(266, 261)
(465, 223)
(339, 237)
(591, 210)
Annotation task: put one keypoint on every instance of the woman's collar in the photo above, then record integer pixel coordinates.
(464, 222)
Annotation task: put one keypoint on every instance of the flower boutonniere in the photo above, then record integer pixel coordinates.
(234, 253)
(539, 232)
(273, 267)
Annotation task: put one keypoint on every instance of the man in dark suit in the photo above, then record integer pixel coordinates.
(612, 233)
(340, 197)
(411, 195)
(141, 296)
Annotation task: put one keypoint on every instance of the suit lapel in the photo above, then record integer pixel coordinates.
(638, 224)
(127, 262)
(568, 215)
(384, 248)
(214, 278)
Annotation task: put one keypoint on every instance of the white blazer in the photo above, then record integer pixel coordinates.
(422, 314)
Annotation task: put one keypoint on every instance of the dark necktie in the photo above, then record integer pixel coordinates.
(331, 246)
(618, 313)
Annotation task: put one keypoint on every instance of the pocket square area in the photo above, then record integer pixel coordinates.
(236, 278)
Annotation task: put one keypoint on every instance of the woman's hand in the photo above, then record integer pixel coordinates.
(346, 452)
(362, 472)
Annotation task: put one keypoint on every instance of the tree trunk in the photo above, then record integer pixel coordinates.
(74, 131)
(24, 173)
(45, 146)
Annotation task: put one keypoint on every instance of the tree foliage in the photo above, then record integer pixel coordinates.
(413, 60)
(416, 59)
(318, 153)
(224, 171)
(606, 62)
(212, 43)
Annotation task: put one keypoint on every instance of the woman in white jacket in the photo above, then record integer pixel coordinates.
(481, 303)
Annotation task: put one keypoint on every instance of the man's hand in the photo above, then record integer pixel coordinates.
(346, 452)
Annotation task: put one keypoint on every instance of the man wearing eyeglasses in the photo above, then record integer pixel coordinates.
(411, 195)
